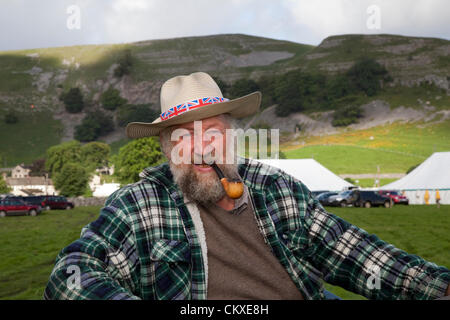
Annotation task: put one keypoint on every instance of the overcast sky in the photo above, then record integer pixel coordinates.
(28, 24)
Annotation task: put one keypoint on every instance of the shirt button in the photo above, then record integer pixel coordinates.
(284, 236)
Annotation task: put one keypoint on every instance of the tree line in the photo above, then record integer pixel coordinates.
(96, 122)
(111, 111)
(71, 164)
(293, 91)
(299, 91)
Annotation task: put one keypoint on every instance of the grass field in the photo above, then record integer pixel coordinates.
(370, 183)
(30, 244)
(420, 230)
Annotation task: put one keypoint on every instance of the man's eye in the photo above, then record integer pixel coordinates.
(213, 133)
(185, 135)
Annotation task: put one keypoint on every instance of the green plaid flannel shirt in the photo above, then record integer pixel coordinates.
(144, 246)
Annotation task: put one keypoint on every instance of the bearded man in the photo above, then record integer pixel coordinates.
(177, 233)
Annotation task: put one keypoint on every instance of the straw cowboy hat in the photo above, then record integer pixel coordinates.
(193, 97)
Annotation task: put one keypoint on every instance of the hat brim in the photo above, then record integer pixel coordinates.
(237, 108)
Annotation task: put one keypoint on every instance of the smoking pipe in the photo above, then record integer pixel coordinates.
(233, 187)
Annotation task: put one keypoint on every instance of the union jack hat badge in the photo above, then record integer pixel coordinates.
(193, 97)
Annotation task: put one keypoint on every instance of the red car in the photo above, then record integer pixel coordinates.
(56, 202)
(396, 196)
(15, 207)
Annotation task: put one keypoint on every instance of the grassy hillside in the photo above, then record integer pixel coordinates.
(395, 148)
(405, 57)
(28, 139)
(30, 244)
(153, 60)
(39, 76)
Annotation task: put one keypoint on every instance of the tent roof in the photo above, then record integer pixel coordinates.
(433, 173)
(315, 176)
(106, 189)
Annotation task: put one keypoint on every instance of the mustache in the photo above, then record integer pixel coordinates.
(207, 158)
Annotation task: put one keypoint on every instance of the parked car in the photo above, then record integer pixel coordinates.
(360, 198)
(56, 202)
(369, 199)
(36, 200)
(324, 197)
(317, 193)
(395, 196)
(343, 199)
(15, 206)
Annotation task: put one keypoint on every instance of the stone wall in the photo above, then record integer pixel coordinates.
(81, 201)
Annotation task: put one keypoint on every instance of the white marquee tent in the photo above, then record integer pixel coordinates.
(315, 176)
(433, 174)
(106, 189)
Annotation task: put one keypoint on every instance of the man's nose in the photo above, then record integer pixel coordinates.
(200, 149)
(201, 145)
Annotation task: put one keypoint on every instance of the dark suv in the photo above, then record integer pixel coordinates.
(56, 202)
(15, 206)
(36, 200)
(360, 198)
(369, 199)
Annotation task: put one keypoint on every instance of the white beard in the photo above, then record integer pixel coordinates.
(203, 188)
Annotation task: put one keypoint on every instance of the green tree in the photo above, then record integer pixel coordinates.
(94, 125)
(111, 99)
(62, 154)
(242, 87)
(367, 75)
(223, 86)
(347, 115)
(124, 64)
(72, 181)
(136, 156)
(297, 91)
(338, 87)
(73, 100)
(267, 87)
(288, 106)
(3, 186)
(88, 130)
(135, 112)
(95, 155)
